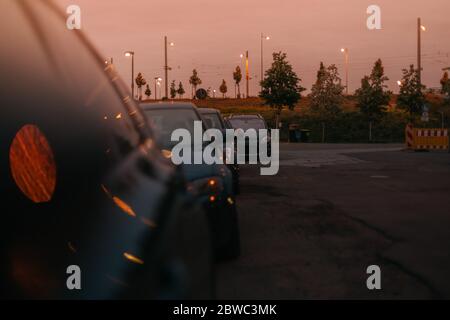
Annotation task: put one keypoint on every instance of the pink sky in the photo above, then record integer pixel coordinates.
(209, 35)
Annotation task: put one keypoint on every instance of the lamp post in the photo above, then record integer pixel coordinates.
(420, 28)
(131, 54)
(262, 56)
(246, 69)
(157, 82)
(247, 75)
(345, 52)
(166, 67)
(108, 61)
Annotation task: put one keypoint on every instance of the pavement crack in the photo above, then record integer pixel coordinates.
(436, 294)
(362, 222)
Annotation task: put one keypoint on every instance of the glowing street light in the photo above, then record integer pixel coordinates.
(420, 28)
(166, 67)
(131, 54)
(108, 61)
(157, 83)
(262, 56)
(345, 52)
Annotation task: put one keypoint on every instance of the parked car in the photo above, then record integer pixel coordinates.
(250, 121)
(84, 186)
(213, 119)
(212, 184)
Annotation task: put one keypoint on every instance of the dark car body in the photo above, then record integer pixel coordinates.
(213, 119)
(218, 199)
(250, 121)
(82, 182)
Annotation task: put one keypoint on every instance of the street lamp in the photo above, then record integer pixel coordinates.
(420, 29)
(157, 82)
(247, 75)
(108, 61)
(262, 56)
(166, 67)
(345, 52)
(131, 54)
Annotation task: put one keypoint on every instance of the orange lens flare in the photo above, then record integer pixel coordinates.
(124, 206)
(132, 258)
(32, 164)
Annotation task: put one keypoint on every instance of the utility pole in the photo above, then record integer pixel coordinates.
(262, 61)
(345, 52)
(262, 57)
(131, 54)
(419, 50)
(247, 75)
(157, 82)
(166, 68)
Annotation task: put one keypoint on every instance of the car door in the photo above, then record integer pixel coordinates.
(69, 131)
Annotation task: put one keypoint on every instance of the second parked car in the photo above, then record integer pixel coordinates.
(213, 119)
(212, 184)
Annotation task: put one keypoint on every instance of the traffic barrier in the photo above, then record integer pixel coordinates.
(426, 139)
(409, 136)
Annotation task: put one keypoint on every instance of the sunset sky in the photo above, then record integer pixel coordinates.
(209, 35)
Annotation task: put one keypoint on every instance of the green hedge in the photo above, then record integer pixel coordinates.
(347, 127)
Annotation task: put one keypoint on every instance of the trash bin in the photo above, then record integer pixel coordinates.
(304, 135)
(294, 133)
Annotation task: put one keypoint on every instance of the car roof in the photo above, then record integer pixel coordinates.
(245, 116)
(163, 105)
(208, 110)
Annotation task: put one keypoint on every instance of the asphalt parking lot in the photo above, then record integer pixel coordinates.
(311, 231)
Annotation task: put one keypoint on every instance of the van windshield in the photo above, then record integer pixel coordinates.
(245, 124)
(165, 121)
(212, 121)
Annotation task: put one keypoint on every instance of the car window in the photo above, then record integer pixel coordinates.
(246, 124)
(213, 120)
(165, 121)
(92, 105)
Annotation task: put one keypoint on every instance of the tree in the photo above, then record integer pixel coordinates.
(411, 97)
(223, 88)
(140, 81)
(445, 84)
(195, 81)
(148, 92)
(326, 95)
(180, 90)
(281, 85)
(173, 90)
(373, 97)
(237, 76)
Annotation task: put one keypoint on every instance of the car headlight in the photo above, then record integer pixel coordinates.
(211, 187)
